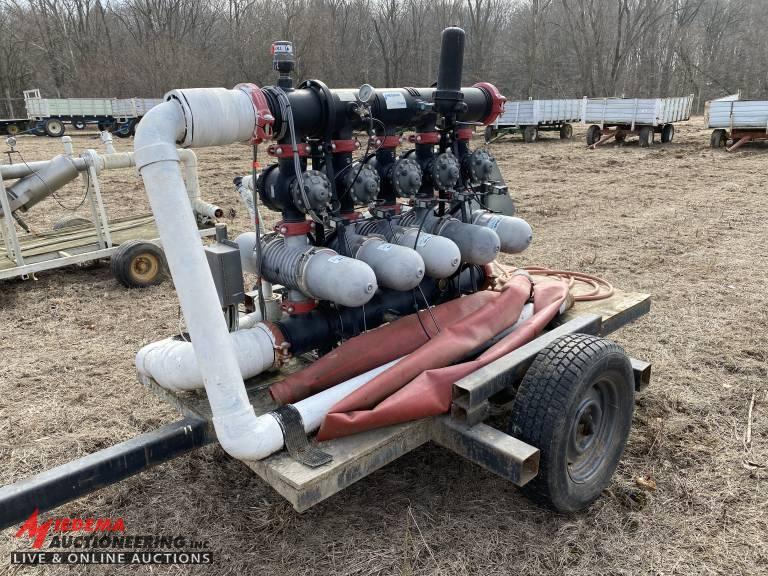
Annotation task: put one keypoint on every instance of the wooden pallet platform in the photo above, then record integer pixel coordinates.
(357, 456)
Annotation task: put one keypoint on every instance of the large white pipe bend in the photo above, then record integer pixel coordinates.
(191, 123)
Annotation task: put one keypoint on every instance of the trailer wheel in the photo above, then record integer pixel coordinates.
(718, 139)
(490, 133)
(620, 136)
(137, 264)
(12, 129)
(54, 127)
(70, 221)
(667, 133)
(531, 134)
(593, 134)
(78, 124)
(575, 405)
(646, 136)
(39, 129)
(566, 132)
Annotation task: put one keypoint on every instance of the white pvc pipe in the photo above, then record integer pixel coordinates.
(312, 410)
(173, 365)
(202, 117)
(106, 139)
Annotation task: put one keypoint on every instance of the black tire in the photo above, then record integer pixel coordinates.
(12, 129)
(620, 136)
(718, 139)
(531, 134)
(594, 133)
(70, 222)
(54, 128)
(646, 136)
(124, 130)
(490, 133)
(39, 129)
(78, 124)
(138, 264)
(575, 405)
(667, 133)
(566, 132)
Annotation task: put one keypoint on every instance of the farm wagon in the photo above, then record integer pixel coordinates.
(617, 118)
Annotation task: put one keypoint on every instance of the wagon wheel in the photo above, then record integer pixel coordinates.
(667, 133)
(137, 264)
(54, 127)
(106, 125)
(620, 136)
(593, 134)
(566, 132)
(575, 405)
(718, 139)
(531, 134)
(12, 129)
(78, 124)
(39, 129)
(646, 136)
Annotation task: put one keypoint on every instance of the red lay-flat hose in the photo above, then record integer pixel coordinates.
(420, 385)
(374, 348)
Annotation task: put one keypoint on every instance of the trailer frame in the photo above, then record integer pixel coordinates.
(466, 431)
(37, 252)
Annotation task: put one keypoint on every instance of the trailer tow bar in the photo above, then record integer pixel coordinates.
(79, 477)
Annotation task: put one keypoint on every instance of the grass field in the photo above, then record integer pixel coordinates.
(680, 221)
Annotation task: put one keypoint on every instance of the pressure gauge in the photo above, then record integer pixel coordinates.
(11, 142)
(366, 93)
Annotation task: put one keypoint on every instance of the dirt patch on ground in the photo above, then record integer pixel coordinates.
(682, 222)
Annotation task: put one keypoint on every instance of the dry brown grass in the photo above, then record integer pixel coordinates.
(679, 221)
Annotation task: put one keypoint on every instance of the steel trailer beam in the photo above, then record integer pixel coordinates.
(79, 477)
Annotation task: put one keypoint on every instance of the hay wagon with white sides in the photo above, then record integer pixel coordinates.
(120, 116)
(529, 117)
(617, 118)
(740, 121)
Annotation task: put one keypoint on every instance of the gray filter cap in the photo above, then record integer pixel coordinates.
(477, 244)
(515, 234)
(441, 256)
(396, 267)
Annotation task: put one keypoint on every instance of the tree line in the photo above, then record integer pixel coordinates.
(528, 48)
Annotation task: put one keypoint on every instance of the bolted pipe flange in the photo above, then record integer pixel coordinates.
(362, 182)
(406, 177)
(479, 165)
(317, 191)
(445, 171)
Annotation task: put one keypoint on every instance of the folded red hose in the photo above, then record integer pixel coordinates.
(420, 385)
(374, 348)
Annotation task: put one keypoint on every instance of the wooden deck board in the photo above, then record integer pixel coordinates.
(357, 456)
(78, 239)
